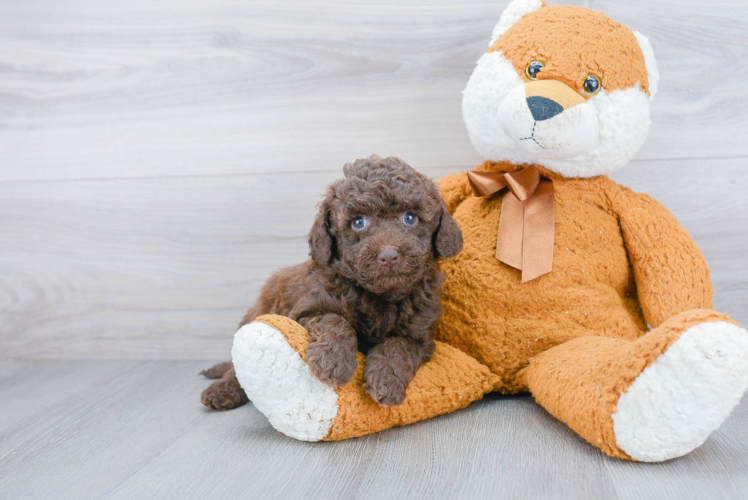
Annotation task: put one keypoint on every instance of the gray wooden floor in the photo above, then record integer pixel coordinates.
(135, 429)
(159, 160)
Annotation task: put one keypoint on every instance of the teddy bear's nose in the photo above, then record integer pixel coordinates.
(543, 108)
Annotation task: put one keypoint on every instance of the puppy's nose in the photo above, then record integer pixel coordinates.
(388, 257)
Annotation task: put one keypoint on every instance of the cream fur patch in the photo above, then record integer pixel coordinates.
(685, 395)
(568, 134)
(281, 385)
(492, 80)
(512, 14)
(624, 121)
(653, 72)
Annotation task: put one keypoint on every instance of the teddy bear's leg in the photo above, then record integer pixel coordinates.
(652, 399)
(268, 356)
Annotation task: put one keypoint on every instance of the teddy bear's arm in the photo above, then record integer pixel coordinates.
(455, 189)
(671, 273)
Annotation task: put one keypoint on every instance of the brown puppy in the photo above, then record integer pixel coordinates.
(372, 284)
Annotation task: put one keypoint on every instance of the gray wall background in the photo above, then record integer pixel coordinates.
(159, 160)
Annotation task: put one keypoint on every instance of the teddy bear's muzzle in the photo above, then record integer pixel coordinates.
(549, 120)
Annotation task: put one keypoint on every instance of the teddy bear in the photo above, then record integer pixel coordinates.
(570, 287)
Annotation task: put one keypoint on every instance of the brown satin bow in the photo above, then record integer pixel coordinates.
(525, 238)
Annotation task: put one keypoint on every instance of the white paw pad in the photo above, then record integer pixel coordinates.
(280, 384)
(685, 395)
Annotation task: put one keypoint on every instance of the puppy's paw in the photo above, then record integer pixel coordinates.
(224, 395)
(332, 363)
(383, 384)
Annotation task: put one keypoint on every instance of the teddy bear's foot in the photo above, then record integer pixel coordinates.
(685, 394)
(650, 399)
(280, 384)
(269, 357)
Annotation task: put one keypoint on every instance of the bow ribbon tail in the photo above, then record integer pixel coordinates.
(537, 240)
(509, 242)
(526, 230)
(526, 225)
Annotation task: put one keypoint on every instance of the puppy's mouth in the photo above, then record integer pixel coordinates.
(390, 280)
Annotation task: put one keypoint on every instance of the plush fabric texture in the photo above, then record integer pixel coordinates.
(280, 384)
(653, 72)
(296, 335)
(450, 380)
(580, 381)
(593, 289)
(685, 395)
(573, 43)
(512, 14)
(623, 116)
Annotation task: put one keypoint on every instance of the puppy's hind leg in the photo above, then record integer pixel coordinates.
(218, 370)
(224, 394)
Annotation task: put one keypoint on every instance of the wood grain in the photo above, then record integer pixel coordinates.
(139, 431)
(223, 87)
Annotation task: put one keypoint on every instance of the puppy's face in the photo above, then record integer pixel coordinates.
(383, 226)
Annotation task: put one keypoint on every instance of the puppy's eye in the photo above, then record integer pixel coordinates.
(533, 69)
(409, 218)
(591, 86)
(360, 223)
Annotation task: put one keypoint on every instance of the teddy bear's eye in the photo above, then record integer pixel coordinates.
(591, 86)
(533, 69)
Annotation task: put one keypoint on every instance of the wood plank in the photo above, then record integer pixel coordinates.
(719, 469)
(499, 447)
(89, 440)
(140, 431)
(164, 268)
(203, 88)
(35, 392)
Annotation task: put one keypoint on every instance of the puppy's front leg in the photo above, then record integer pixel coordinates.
(391, 365)
(332, 354)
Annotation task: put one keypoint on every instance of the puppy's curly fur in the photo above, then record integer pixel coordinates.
(372, 284)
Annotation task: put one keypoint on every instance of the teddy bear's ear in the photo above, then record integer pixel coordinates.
(512, 14)
(653, 74)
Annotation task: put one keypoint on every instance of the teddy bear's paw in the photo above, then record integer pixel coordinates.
(685, 394)
(281, 385)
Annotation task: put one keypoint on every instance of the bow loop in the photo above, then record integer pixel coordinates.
(523, 183)
(525, 238)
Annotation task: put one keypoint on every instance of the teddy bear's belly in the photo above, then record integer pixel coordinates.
(502, 322)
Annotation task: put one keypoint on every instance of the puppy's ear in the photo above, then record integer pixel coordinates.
(322, 244)
(448, 236)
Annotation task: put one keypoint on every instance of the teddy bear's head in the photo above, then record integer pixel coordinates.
(563, 87)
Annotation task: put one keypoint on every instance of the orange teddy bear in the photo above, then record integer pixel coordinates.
(589, 296)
